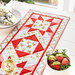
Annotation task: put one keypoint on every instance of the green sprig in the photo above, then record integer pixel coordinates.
(27, 1)
(56, 52)
(64, 51)
(6, 1)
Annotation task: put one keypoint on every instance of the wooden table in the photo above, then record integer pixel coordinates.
(67, 40)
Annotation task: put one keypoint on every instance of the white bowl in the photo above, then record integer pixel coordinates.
(55, 72)
(17, 16)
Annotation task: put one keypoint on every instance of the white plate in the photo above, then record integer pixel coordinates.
(17, 17)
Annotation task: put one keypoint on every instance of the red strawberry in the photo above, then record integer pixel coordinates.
(52, 58)
(59, 57)
(56, 65)
(65, 61)
(51, 64)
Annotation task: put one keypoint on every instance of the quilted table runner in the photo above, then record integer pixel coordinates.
(23, 52)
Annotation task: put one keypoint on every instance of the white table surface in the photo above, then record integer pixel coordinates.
(67, 40)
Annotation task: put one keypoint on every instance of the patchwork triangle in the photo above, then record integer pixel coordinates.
(21, 65)
(40, 18)
(50, 34)
(57, 20)
(53, 28)
(32, 37)
(32, 29)
(53, 24)
(30, 25)
(16, 42)
(42, 32)
(49, 30)
(49, 20)
(33, 19)
(29, 22)
(34, 16)
(21, 54)
(46, 17)
(31, 67)
(24, 71)
(24, 28)
(38, 48)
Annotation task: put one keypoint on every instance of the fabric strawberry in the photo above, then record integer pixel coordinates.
(16, 72)
(9, 57)
(59, 57)
(52, 58)
(65, 61)
(56, 65)
(7, 74)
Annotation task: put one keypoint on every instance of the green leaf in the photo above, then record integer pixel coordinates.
(20, 0)
(6, 1)
(64, 51)
(27, 1)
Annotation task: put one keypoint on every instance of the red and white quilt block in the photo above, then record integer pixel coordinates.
(27, 45)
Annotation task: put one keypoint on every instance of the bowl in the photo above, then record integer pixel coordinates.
(58, 61)
(55, 72)
(17, 17)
